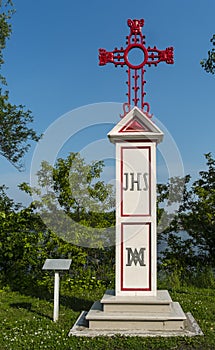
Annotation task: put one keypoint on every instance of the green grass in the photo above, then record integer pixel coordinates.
(26, 323)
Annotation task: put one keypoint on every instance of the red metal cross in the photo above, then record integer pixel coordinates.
(150, 56)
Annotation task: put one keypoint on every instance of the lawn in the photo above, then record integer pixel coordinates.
(26, 323)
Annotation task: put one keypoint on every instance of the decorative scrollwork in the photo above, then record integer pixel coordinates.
(135, 25)
(167, 55)
(136, 81)
(105, 57)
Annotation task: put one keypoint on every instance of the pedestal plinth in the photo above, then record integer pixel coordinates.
(155, 313)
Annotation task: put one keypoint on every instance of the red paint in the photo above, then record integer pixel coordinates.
(120, 57)
(123, 214)
(122, 260)
(134, 125)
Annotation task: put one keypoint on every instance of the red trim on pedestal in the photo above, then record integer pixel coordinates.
(134, 125)
(147, 289)
(123, 214)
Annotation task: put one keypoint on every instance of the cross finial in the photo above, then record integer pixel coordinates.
(121, 57)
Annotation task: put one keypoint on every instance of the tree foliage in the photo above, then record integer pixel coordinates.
(26, 239)
(197, 215)
(74, 202)
(25, 244)
(209, 63)
(193, 251)
(15, 133)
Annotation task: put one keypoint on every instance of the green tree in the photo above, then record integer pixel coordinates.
(76, 207)
(197, 215)
(194, 251)
(74, 202)
(209, 63)
(169, 198)
(25, 243)
(15, 133)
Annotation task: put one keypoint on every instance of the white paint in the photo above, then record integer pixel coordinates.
(136, 276)
(136, 219)
(135, 200)
(136, 230)
(56, 295)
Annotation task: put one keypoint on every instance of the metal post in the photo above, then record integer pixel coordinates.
(57, 265)
(56, 295)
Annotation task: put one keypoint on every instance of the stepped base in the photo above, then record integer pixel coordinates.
(144, 313)
(135, 316)
(173, 320)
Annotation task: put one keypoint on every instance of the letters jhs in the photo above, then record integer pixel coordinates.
(138, 181)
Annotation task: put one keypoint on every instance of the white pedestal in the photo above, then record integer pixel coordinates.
(135, 307)
(136, 138)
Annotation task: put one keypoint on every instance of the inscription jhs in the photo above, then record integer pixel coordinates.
(138, 181)
(136, 257)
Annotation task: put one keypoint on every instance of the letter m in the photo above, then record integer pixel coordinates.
(135, 257)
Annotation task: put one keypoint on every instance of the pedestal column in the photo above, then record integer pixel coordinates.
(136, 137)
(136, 241)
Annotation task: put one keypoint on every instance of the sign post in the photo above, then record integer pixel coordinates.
(57, 265)
(56, 295)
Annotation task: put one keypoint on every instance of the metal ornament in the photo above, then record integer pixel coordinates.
(150, 56)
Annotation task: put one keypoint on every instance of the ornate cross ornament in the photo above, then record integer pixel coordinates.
(123, 57)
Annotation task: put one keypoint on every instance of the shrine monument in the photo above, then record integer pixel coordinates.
(136, 307)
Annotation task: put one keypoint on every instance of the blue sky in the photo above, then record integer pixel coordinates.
(51, 66)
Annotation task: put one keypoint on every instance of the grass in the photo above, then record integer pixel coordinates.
(26, 323)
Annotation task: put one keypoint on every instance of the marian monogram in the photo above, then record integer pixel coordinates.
(135, 257)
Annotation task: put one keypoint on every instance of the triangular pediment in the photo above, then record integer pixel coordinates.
(136, 125)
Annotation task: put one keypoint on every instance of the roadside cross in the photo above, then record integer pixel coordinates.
(146, 56)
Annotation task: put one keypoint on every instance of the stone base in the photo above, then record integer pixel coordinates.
(137, 304)
(142, 316)
(144, 313)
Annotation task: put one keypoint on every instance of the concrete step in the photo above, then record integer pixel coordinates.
(172, 320)
(144, 304)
